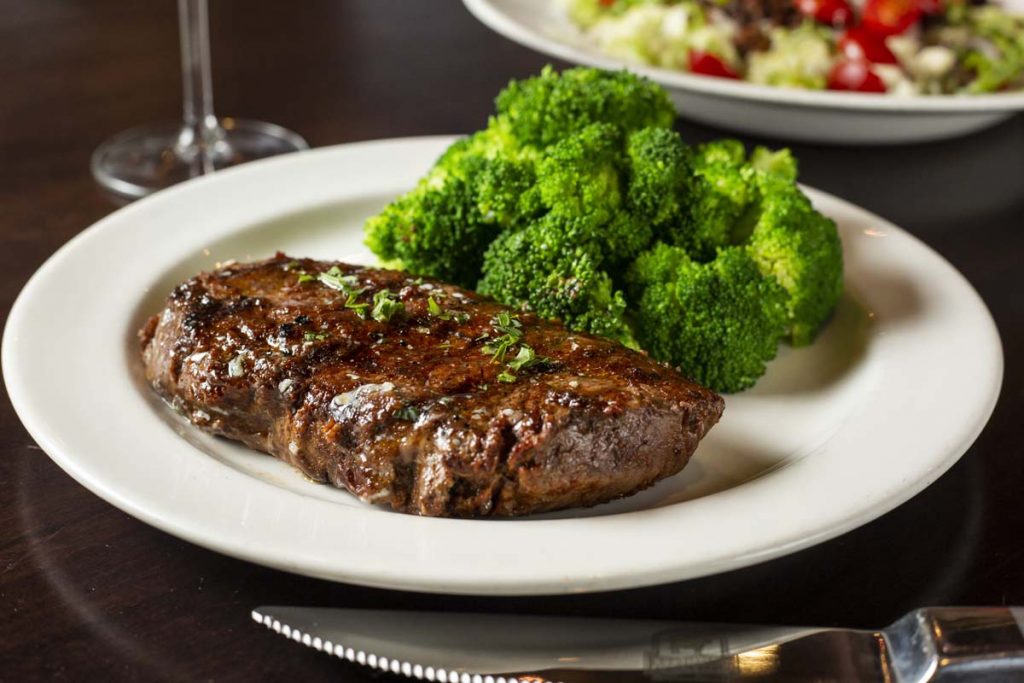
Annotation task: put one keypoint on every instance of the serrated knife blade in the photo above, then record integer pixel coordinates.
(934, 644)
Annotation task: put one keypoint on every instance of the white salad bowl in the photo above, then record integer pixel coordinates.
(807, 115)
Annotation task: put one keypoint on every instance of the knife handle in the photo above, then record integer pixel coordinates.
(958, 644)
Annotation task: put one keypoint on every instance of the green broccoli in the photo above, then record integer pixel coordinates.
(726, 151)
(577, 202)
(506, 192)
(541, 270)
(480, 185)
(437, 232)
(660, 176)
(720, 200)
(580, 184)
(801, 249)
(578, 175)
(720, 321)
(778, 162)
(720, 194)
(621, 239)
(545, 109)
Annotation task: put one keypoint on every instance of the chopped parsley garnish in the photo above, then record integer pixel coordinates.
(499, 347)
(348, 285)
(510, 330)
(385, 306)
(511, 335)
(507, 323)
(335, 280)
(408, 413)
(526, 358)
(445, 314)
(314, 336)
(353, 304)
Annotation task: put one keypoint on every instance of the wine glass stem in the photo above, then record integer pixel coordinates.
(201, 131)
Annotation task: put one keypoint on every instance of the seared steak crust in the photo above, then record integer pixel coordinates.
(410, 412)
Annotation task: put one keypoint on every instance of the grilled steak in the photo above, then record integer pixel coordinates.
(429, 401)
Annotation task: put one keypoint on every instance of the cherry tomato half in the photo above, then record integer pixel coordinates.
(859, 44)
(855, 75)
(708, 64)
(831, 12)
(890, 17)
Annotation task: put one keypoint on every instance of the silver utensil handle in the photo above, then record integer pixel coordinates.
(957, 644)
(932, 645)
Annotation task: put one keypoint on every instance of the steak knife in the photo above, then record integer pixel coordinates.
(930, 644)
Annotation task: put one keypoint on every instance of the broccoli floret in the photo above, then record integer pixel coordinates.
(499, 172)
(720, 321)
(611, 244)
(541, 270)
(621, 239)
(660, 176)
(580, 183)
(801, 249)
(724, 151)
(779, 162)
(480, 185)
(720, 194)
(545, 109)
(721, 204)
(434, 232)
(493, 142)
(507, 192)
(578, 176)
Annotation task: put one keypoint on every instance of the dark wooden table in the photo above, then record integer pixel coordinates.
(89, 593)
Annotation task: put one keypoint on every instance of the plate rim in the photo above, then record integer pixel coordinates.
(489, 13)
(540, 582)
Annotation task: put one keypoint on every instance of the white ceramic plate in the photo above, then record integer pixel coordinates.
(896, 389)
(810, 115)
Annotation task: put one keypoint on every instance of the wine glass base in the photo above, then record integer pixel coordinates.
(142, 160)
